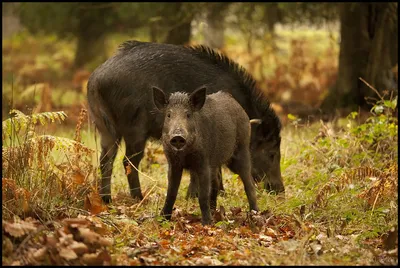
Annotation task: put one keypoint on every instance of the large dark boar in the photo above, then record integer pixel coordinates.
(121, 105)
(201, 134)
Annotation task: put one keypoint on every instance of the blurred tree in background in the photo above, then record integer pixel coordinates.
(88, 22)
(368, 32)
(368, 49)
(215, 24)
(91, 22)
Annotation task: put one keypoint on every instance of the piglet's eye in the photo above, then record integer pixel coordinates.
(168, 115)
(188, 115)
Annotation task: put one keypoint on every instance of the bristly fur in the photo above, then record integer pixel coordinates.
(271, 123)
(245, 80)
(178, 98)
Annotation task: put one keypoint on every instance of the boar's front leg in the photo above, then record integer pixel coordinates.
(174, 180)
(203, 175)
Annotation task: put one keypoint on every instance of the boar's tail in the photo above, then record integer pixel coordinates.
(100, 111)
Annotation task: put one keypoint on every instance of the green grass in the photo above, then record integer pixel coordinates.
(343, 220)
(314, 224)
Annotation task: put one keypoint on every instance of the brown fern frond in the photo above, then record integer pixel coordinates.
(81, 118)
(384, 187)
(337, 184)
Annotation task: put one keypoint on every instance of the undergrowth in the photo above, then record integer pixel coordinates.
(340, 204)
(43, 175)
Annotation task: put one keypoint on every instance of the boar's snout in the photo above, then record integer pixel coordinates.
(178, 142)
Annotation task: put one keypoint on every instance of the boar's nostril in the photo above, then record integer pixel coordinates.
(178, 142)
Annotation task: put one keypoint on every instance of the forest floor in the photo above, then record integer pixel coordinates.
(340, 205)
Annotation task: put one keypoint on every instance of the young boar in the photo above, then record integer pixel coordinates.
(201, 133)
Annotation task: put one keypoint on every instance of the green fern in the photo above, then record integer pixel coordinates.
(21, 121)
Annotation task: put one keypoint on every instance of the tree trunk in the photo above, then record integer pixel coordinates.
(91, 34)
(368, 40)
(180, 35)
(214, 31)
(272, 16)
(10, 20)
(90, 48)
(180, 31)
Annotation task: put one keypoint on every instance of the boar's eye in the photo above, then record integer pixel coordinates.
(188, 115)
(168, 114)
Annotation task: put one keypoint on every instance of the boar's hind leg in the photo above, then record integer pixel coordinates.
(203, 179)
(134, 151)
(193, 191)
(241, 164)
(215, 187)
(109, 146)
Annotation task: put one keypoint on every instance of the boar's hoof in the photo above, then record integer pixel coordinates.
(273, 188)
(137, 196)
(106, 199)
(207, 221)
(166, 216)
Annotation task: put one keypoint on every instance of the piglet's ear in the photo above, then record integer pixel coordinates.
(198, 98)
(160, 101)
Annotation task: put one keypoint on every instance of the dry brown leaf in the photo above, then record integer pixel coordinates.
(90, 259)
(76, 221)
(40, 253)
(77, 177)
(88, 235)
(105, 242)
(270, 232)
(7, 246)
(236, 210)
(128, 169)
(102, 258)
(79, 248)
(50, 241)
(19, 228)
(105, 257)
(94, 204)
(68, 254)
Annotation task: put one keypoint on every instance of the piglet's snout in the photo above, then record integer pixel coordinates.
(178, 142)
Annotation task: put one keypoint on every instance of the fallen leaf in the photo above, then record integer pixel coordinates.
(19, 228)
(40, 253)
(88, 235)
(94, 203)
(316, 247)
(68, 254)
(236, 210)
(91, 259)
(77, 177)
(79, 248)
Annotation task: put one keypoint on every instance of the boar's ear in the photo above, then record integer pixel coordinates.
(197, 98)
(159, 98)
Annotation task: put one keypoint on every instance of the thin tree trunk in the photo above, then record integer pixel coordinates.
(90, 48)
(181, 29)
(214, 31)
(180, 35)
(91, 34)
(10, 20)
